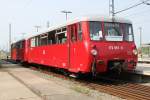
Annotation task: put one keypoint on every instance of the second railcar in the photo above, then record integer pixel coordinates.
(18, 51)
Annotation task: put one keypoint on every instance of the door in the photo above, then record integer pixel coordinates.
(76, 47)
(72, 47)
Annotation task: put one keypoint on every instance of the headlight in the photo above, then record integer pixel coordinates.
(94, 52)
(135, 52)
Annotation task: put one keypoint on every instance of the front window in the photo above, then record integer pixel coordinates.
(96, 31)
(111, 31)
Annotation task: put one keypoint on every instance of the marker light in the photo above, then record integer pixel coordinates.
(135, 52)
(94, 52)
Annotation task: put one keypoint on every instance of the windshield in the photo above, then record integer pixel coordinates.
(111, 31)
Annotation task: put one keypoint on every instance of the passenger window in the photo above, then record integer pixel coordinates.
(32, 42)
(44, 39)
(14, 46)
(80, 32)
(51, 37)
(20, 45)
(61, 36)
(36, 41)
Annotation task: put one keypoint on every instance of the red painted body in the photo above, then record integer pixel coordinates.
(13, 53)
(76, 56)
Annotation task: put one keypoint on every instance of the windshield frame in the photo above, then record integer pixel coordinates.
(102, 27)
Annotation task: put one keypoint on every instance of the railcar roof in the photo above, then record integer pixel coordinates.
(100, 18)
(18, 41)
(93, 18)
(88, 18)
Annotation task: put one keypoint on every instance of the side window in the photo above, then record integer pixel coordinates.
(80, 35)
(12, 46)
(51, 37)
(44, 39)
(61, 36)
(36, 41)
(32, 42)
(17, 45)
(73, 33)
(128, 32)
(39, 40)
(23, 44)
(64, 38)
(20, 45)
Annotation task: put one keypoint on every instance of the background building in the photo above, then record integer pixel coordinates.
(3, 54)
(144, 51)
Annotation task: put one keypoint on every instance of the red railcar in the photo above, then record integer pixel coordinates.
(90, 44)
(18, 51)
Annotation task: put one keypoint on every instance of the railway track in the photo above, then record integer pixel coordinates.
(122, 89)
(119, 88)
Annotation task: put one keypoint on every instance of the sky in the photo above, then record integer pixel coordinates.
(25, 14)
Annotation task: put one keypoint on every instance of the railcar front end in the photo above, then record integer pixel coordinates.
(112, 47)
